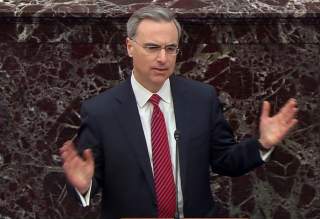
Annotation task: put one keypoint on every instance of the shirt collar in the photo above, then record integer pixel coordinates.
(143, 95)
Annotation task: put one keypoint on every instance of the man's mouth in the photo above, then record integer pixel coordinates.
(160, 69)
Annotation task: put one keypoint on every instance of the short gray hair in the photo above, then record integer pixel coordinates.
(152, 12)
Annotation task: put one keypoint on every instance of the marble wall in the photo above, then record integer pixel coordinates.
(54, 54)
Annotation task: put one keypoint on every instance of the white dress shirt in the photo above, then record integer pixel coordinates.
(145, 109)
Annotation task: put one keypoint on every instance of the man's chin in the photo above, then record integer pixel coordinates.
(160, 78)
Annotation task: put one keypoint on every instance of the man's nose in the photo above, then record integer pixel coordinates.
(162, 56)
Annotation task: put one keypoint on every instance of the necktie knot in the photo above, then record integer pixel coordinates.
(155, 99)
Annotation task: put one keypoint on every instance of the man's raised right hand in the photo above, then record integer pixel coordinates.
(78, 170)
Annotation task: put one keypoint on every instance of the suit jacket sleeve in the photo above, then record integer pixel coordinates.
(228, 157)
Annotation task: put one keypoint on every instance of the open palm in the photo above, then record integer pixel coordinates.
(274, 129)
(78, 170)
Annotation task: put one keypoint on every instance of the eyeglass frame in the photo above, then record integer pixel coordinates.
(157, 48)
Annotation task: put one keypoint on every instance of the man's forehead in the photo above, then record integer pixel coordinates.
(149, 27)
(152, 21)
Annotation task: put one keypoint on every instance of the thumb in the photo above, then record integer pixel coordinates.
(88, 156)
(265, 110)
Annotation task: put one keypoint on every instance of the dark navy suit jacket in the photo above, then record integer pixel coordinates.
(111, 126)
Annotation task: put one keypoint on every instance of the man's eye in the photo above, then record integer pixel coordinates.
(171, 49)
(152, 48)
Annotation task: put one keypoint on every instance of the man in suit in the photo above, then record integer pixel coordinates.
(126, 144)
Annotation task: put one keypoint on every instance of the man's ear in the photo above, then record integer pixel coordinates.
(129, 47)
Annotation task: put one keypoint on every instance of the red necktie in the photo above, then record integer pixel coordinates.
(162, 166)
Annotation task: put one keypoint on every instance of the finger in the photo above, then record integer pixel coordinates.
(293, 106)
(69, 145)
(66, 146)
(289, 111)
(73, 163)
(88, 156)
(64, 155)
(68, 151)
(292, 123)
(293, 113)
(286, 129)
(67, 156)
(265, 110)
(68, 142)
(289, 105)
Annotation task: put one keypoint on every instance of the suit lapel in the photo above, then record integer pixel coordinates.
(181, 104)
(129, 118)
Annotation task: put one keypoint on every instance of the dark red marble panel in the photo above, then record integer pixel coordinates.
(186, 8)
(47, 67)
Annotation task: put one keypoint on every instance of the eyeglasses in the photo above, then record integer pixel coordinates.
(154, 49)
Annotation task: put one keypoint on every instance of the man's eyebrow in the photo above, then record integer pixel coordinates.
(155, 44)
(151, 44)
(172, 44)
